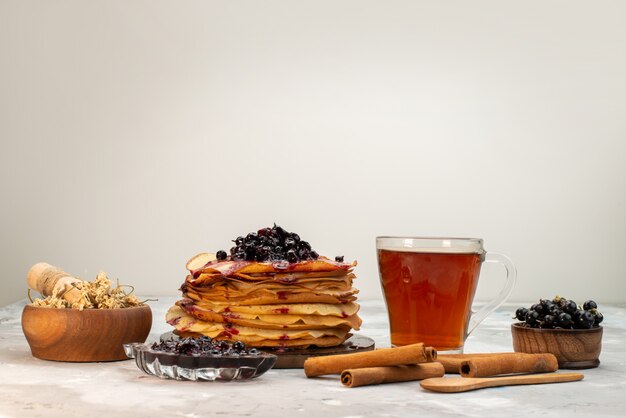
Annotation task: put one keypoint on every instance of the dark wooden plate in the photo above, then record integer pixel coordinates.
(291, 358)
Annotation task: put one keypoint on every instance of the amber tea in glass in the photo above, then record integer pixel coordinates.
(429, 286)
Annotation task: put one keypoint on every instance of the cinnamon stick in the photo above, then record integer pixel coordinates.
(499, 363)
(408, 354)
(473, 355)
(389, 374)
(496, 365)
(452, 362)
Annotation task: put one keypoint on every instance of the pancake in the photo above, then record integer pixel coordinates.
(279, 319)
(273, 290)
(265, 297)
(237, 286)
(230, 267)
(259, 337)
(340, 310)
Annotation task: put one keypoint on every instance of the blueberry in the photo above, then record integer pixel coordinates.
(264, 232)
(548, 321)
(278, 231)
(271, 244)
(265, 252)
(273, 241)
(291, 256)
(532, 318)
(339, 259)
(276, 256)
(223, 345)
(576, 316)
(238, 346)
(545, 302)
(599, 318)
(564, 320)
(221, 255)
(588, 305)
(520, 314)
(548, 306)
(586, 320)
(570, 307)
(250, 254)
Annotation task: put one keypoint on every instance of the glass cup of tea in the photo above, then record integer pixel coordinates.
(429, 286)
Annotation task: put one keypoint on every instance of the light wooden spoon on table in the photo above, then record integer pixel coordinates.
(464, 384)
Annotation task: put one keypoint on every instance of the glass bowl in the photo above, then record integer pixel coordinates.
(199, 367)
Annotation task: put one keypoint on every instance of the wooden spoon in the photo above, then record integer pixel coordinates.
(463, 384)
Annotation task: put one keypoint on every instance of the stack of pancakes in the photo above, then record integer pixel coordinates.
(268, 304)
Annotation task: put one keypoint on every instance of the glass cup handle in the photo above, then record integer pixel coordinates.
(511, 277)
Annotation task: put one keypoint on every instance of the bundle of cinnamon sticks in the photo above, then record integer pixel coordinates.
(417, 362)
(385, 365)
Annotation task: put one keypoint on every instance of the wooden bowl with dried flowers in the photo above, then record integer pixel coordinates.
(80, 321)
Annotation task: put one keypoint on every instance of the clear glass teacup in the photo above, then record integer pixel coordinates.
(429, 286)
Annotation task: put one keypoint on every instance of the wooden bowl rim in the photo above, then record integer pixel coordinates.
(518, 326)
(90, 310)
(139, 313)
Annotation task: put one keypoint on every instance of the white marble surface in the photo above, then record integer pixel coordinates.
(32, 388)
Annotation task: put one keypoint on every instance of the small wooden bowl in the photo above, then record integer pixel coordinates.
(573, 348)
(84, 336)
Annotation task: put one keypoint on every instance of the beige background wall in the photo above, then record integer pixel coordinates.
(135, 134)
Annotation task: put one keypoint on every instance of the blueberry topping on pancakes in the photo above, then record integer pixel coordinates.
(270, 243)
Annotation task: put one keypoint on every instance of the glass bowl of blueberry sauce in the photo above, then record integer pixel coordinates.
(200, 359)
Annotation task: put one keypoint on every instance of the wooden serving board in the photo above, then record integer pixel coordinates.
(291, 358)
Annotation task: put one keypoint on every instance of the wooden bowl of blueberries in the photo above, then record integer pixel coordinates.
(560, 326)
